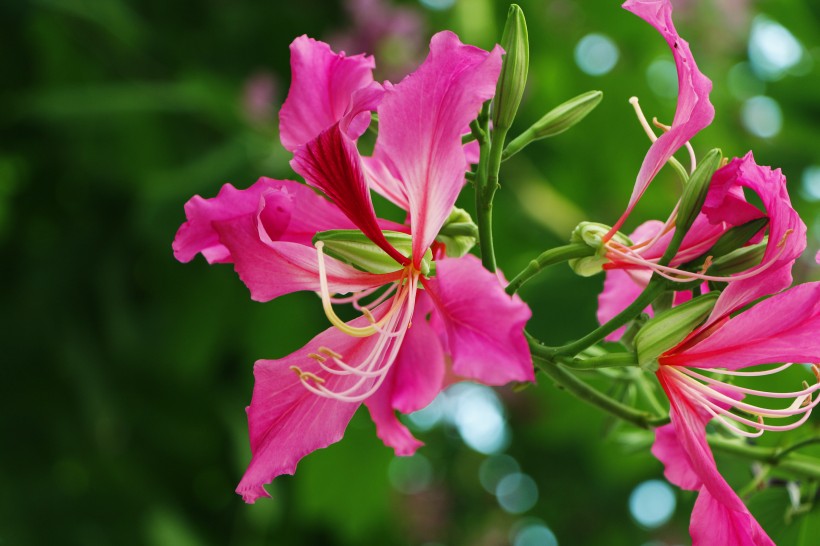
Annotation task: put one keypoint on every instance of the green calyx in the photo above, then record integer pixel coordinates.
(592, 234)
(669, 328)
(459, 234)
(352, 247)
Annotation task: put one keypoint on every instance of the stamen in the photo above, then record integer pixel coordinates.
(782, 242)
(327, 305)
(693, 161)
(710, 393)
(306, 376)
(370, 373)
(630, 256)
(642, 119)
(329, 352)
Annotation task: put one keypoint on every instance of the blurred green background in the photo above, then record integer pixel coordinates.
(125, 374)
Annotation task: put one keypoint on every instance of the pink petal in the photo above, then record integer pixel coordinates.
(668, 448)
(783, 328)
(713, 523)
(677, 468)
(720, 517)
(483, 326)
(620, 290)
(322, 86)
(331, 163)
(310, 213)
(197, 234)
(693, 111)
(415, 379)
(271, 269)
(385, 182)
(420, 125)
(286, 421)
(787, 233)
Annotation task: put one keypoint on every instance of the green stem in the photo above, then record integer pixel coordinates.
(611, 360)
(793, 462)
(655, 287)
(545, 259)
(483, 197)
(567, 381)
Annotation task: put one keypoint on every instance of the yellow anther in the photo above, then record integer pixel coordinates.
(306, 376)
(785, 236)
(707, 263)
(366, 312)
(329, 352)
(816, 371)
(660, 125)
(314, 356)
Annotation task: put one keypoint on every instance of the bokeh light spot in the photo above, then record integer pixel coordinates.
(410, 475)
(494, 469)
(761, 116)
(773, 50)
(652, 503)
(596, 54)
(535, 534)
(430, 416)
(478, 416)
(662, 76)
(811, 183)
(743, 83)
(516, 493)
(438, 5)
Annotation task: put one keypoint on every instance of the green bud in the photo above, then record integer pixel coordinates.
(694, 194)
(738, 260)
(352, 247)
(458, 234)
(513, 77)
(736, 237)
(671, 327)
(556, 121)
(592, 235)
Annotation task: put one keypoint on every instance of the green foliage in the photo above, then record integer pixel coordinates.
(125, 374)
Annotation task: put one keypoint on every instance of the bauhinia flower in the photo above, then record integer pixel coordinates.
(780, 329)
(630, 263)
(425, 316)
(761, 266)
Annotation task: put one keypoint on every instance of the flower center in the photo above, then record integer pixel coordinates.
(389, 330)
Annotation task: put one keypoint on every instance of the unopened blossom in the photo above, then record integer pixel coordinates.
(425, 315)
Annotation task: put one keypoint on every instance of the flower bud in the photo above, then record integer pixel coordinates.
(352, 247)
(592, 235)
(736, 237)
(513, 78)
(738, 260)
(556, 121)
(458, 234)
(694, 194)
(668, 329)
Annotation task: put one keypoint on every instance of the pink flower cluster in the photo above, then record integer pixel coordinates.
(782, 328)
(431, 316)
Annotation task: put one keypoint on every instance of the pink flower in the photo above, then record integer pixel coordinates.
(690, 379)
(420, 326)
(630, 267)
